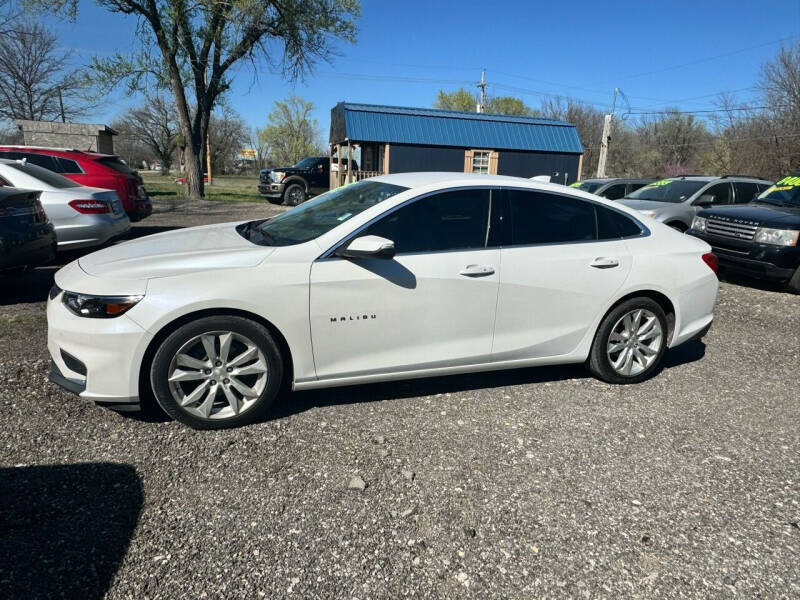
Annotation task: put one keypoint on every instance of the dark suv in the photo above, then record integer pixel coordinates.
(760, 238)
(294, 185)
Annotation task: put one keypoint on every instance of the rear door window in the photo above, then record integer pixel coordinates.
(542, 218)
(68, 165)
(42, 160)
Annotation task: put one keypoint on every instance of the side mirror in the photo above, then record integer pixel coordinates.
(705, 200)
(368, 246)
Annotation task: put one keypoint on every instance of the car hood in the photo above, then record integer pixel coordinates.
(763, 214)
(653, 205)
(176, 253)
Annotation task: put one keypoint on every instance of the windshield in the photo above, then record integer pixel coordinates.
(667, 190)
(318, 216)
(786, 191)
(307, 163)
(52, 179)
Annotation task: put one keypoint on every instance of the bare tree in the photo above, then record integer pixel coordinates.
(154, 125)
(227, 135)
(36, 82)
(196, 47)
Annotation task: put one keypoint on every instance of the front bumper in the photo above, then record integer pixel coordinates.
(97, 359)
(762, 261)
(270, 189)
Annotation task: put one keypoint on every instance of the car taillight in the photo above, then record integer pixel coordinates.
(40, 211)
(90, 207)
(712, 261)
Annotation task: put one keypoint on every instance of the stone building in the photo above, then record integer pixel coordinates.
(81, 136)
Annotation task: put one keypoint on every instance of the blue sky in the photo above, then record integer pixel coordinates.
(658, 53)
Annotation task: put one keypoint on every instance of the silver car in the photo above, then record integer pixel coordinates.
(675, 201)
(82, 216)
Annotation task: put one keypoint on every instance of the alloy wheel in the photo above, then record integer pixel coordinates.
(634, 342)
(217, 375)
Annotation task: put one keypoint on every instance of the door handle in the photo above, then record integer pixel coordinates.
(476, 271)
(604, 263)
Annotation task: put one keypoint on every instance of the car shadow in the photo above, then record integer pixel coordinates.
(765, 285)
(297, 402)
(64, 529)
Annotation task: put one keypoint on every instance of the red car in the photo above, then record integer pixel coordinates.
(91, 169)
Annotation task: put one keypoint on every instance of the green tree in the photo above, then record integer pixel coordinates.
(291, 133)
(194, 47)
(464, 100)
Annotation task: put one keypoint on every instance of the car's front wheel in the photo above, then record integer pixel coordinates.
(217, 372)
(630, 343)
(294, 194)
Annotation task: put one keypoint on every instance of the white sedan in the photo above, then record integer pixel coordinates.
(82, 216)
(398, 276)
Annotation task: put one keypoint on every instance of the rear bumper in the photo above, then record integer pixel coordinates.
(91, 230)
(141, 210)
(17, 250)
(762, 261)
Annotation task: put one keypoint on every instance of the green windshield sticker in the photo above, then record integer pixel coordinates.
(788, 181)
(576, 184)
(658, 183)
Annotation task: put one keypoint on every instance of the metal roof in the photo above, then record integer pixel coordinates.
(433, 127)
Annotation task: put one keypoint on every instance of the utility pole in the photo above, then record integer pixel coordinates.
(601, 161)
(61, 104)
(482, 85)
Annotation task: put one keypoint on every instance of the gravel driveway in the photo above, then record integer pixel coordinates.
(520, 484)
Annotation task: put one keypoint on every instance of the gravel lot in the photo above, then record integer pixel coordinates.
(520, 484)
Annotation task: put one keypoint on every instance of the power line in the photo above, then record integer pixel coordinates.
(709, 111)
(747, 139)
(707, 59)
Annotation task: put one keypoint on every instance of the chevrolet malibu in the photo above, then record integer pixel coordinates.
(394, 277)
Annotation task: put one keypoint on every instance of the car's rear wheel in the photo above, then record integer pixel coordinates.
(294, 194)
(630, 343)
(217, 372)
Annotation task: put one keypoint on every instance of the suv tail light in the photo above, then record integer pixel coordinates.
(90, 206)
(712, 261)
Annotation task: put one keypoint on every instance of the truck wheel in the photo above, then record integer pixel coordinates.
(793, 285)
(294, 194)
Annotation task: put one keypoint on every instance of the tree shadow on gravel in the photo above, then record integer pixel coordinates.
(64, 529)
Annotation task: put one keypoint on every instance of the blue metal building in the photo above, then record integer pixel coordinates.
(390, 139)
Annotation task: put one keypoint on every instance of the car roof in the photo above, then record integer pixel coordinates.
(710, 178)
(419, 179)
(45, 149)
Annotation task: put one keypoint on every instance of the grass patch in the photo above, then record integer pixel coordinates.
(225, 188)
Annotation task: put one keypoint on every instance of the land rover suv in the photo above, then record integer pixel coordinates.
(759, 239)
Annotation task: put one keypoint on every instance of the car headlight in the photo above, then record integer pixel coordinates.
(278, 175)
(699, 224)
(777, 237)
(98, 307)
(649, 213)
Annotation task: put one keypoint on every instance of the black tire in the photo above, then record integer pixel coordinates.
(294, 194)
(252, 331)
(793, 285)
(599, 363)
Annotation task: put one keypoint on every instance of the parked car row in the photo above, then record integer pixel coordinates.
(752, 225)
(90, 169)
(45, 211)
